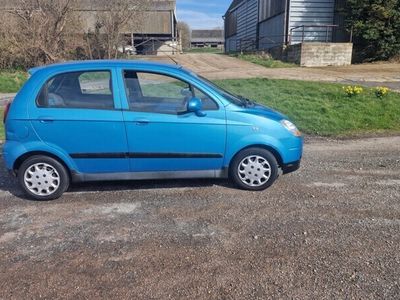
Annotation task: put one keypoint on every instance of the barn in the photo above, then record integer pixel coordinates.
(265, 24)
(157, 31)
(213, 38)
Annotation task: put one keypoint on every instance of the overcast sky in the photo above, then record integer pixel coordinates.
(202, 14)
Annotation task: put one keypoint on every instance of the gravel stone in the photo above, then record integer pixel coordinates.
(329, 231)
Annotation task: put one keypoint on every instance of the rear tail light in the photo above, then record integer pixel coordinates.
(6, 110)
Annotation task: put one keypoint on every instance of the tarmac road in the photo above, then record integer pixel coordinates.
(329, 231)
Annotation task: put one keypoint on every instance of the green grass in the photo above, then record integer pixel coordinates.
(204, 50)
(319, 108)
(323, 108)
(263, 60)
(12, 81)
(94, 75)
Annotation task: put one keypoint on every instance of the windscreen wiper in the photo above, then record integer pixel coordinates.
(246, 102)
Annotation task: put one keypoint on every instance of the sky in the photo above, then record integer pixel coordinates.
(202, 14)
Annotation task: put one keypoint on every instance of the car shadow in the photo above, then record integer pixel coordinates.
(9, 184)
(147, 185)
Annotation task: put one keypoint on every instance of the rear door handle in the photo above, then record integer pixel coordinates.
(46, 119)
(142, 122)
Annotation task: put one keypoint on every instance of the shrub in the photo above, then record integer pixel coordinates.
(376, 28)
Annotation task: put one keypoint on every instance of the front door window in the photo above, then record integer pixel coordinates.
(161, 94)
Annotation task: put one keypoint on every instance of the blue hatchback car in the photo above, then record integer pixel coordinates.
(131, 120)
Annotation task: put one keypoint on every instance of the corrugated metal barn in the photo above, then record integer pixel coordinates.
(264, 24)
(157, 30)
(207, 38)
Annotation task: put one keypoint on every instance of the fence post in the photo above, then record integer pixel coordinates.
(351, 34)
(327, 34)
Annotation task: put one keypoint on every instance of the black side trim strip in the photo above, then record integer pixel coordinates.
(174, 155)
(99, 155)
(143, 155)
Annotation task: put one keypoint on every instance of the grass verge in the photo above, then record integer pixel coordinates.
(323, 108)
(319, 108)
(204, 50)
(12, 81)
(264, 61)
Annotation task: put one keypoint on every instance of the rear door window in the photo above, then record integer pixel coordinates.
(91, 90)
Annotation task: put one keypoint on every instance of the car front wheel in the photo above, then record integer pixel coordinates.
(43, 178)
(254, 169)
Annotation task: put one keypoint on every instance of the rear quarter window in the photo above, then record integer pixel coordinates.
(90, 89)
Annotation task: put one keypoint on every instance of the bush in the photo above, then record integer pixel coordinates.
(376, 28)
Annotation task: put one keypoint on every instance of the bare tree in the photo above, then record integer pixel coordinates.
(184, 33)
(38, 32)
(42, 30)
(117, 18)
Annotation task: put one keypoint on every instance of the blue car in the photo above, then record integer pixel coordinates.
(131, 120)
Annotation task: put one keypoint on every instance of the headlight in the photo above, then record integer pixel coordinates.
(291, 127)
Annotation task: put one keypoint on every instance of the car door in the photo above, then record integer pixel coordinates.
(79, 113)
(162, 136)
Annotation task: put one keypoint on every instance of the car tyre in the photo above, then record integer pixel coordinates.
(254, 169)
(43, 178)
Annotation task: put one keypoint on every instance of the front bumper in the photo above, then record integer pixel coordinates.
(291, 167)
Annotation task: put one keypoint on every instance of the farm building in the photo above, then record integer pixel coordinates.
(207, 38)
(252, 25)
(156, 33)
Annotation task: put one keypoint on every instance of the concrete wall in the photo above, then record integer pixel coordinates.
(320, 54)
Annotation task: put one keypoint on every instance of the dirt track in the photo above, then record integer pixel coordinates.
(332, 230)
(214, 66)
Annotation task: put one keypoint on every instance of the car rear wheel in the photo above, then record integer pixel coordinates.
(254, 169)
(43, 178)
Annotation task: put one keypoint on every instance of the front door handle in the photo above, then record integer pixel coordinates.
(46, 119)
(142, 122)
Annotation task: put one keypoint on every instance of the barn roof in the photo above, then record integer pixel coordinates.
(213, 35)
(96, 5)
(234, 4)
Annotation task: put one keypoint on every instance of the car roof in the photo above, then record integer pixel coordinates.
(65, 66)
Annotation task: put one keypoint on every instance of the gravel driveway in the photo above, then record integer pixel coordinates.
(331, 230)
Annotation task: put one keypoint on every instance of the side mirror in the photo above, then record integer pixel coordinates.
(195, 106)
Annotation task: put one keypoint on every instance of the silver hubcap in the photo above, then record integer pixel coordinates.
(42, 179)
(254, 170)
